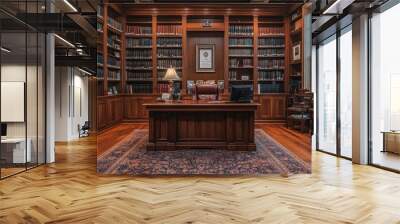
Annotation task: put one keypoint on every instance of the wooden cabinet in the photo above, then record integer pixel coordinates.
(273, 107)
(134, 109)
(109, 111)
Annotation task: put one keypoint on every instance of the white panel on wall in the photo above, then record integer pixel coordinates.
(12, 101)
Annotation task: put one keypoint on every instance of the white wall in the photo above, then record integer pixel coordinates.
(71, 103)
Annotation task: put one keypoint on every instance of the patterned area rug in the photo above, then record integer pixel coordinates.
(129, 157)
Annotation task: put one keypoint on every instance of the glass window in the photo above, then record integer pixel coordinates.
(385, 89)
(327, 96)
(346, 92)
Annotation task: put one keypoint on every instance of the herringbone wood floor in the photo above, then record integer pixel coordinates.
(70, 191)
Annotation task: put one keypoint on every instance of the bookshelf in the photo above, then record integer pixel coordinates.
(139, 55)
(169, 49)
(136, 48)
(271, 55)
(241, 50)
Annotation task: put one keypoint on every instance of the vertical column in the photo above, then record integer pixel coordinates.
(154, 52)
(307, 45)
(105, 48)
(184, 53)
(255, 54)
(360, 90)
(226, 53)
(122, 56)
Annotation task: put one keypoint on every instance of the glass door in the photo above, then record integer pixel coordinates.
(326, 97)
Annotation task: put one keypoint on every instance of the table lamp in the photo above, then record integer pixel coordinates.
(171, 76)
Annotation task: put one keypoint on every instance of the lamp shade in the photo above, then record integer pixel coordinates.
(171, 75)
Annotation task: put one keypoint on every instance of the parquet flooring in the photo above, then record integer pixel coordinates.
(70, 191)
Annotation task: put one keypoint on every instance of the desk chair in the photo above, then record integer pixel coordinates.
(206, 91)
(84, 130)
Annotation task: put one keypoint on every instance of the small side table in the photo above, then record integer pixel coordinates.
(391, 141)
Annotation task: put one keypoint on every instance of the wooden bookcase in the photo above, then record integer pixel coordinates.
(257, 50)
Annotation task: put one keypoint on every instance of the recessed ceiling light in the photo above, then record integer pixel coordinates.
(5, 50)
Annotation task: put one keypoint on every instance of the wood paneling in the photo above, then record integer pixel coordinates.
(228, 126)
(273, 107)
(134, 109)
(195, 38)
(109, 111)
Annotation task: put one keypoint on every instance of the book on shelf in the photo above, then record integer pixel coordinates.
(139, 64)
(163, 88)
(241, 42)
(114, 75)
(271, 42)
(169, 42)
(113, 62)
(242, 30)
(271, 52)
(138, 42)
(167, 63)
(169, 53)
(140, 88)
(139, 54)
(271, 63)
(169, 29)
(271, 30)
(271, 75)
(240, 62)
(114, 24)
(139, 75)
(138, 30)
(270, 88)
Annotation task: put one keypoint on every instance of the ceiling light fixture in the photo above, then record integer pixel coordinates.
(70, 5)
(337, 7)
(65, 41)
(5, 50)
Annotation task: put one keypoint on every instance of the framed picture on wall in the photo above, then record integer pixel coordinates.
(296, 52)
(205, 58)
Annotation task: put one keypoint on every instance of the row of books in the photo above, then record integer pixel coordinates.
(271, 75)
(241, 42)
(100, 73)
(113, 61)
(139, 64)
(169, 29)
(115, 54)
(166, 52)
(114, 75)
(163, 87)
(114, 45)
(99, 27)
(135, 42)
(243, 75)
(113, 89)
(271, 64)
(271, 30)
(270, 88)
(100, 58)
(139, 30)
(166, 63)
(114, 23)
(271, 41)
(242, 52)
(165, 42)
(272, 52)
(240, 62)
(139, 76)
(114, 37)
(241, 30)
(139, 88)
(139, 53)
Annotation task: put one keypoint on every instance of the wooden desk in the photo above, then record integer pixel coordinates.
(201, 125)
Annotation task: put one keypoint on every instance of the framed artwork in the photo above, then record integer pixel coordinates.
(205, 58)
(296, 52)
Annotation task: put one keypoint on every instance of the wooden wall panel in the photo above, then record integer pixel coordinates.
(195, 38)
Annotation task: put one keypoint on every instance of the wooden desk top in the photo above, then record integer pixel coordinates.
(193, 105)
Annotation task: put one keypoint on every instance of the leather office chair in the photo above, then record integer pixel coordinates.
(206, 91)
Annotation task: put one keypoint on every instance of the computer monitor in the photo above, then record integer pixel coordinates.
(3, 130)
(242, 93)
